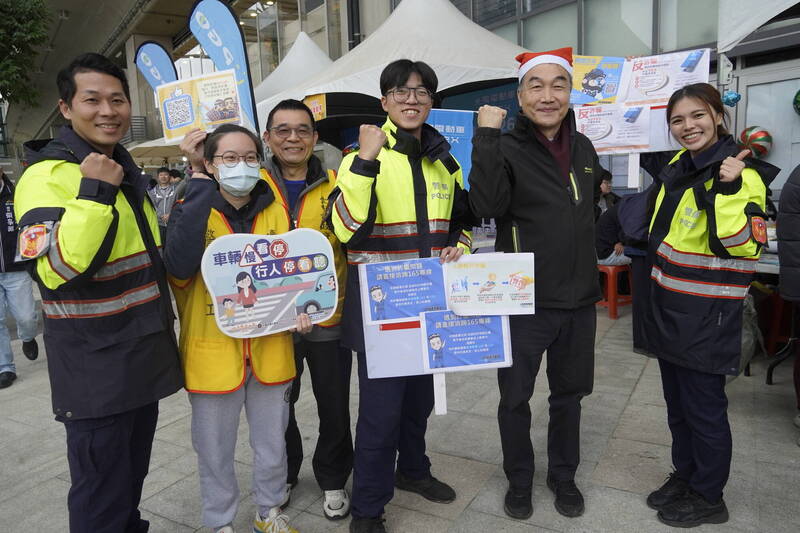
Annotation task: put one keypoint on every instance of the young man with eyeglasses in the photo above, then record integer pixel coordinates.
(401, 198)
(299, 178)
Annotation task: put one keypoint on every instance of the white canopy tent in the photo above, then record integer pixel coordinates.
(739, 18)
(433, 31)
(302, 61)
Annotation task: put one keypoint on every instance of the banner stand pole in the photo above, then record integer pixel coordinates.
(439, 394)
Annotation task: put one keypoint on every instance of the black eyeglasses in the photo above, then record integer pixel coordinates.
(401, 94)
(284, 132)
(230, 159)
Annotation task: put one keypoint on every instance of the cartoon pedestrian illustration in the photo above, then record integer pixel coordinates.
(247, 293)
(437, 350)
(228, 311)
(378, 306)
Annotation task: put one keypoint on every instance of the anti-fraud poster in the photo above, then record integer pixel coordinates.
(651, 80)
(595, 79)
(259, 283)
(399, 291)
(615, 128)
(452, 343)
(202, 102)
(491, 284)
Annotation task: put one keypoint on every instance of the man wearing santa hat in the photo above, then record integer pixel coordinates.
(540, 181)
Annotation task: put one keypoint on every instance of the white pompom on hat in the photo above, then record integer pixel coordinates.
(561, 57)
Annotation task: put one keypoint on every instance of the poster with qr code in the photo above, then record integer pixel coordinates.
(202, 102)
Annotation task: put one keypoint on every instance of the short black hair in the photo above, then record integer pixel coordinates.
(162, 169)
(397, 73)
(212, 141)
(90, 62)
(290, 105)
(175, 173)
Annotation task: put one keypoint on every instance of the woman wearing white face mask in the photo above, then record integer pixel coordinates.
(223, 373)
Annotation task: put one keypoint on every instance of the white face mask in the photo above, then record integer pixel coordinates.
(238, 180)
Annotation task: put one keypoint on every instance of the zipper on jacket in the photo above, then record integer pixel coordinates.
(515, 237)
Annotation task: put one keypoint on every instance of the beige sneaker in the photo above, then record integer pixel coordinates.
(275, 522)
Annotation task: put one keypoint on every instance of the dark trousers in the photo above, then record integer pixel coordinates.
(392, 420)
(697, 413)
(330, 365)
(568, 338)
(640, 274)
(108, 461)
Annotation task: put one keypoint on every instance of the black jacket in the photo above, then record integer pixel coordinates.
(788, 230)
(8, 231)
(110, 363)
(516, 180)
(608, 233)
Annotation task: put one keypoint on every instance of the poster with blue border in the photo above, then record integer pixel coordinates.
(258, 284)
(399, 291)
(452, 343)
(457, 127)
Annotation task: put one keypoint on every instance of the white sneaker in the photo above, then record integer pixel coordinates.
(225, 529)
(797, 421)
(275, 522)
(336, 505)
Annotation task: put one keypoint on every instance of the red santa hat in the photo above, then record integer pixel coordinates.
(561, 57)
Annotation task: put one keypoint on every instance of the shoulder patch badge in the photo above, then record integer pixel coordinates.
(759, 228)
(34, 241)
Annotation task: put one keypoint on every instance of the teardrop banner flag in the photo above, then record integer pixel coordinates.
(217, 30)
(155, 64)
(259, 283)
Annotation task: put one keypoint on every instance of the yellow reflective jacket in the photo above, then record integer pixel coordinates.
(705, 239)
(310, 212)
(93, 249)
(212, 361)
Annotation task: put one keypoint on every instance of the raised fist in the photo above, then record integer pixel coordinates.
(370, 140)
(99, 167)
(490, 116)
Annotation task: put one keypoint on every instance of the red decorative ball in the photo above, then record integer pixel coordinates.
(757, 140)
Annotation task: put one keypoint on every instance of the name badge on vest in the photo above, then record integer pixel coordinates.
(260, 283)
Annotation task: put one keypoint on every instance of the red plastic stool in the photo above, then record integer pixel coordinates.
(611, 298)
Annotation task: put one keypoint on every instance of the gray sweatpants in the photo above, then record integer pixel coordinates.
(215, 422)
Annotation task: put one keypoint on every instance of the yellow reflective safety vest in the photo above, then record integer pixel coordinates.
(408, 203)
(705, 239)
(92, 247)
(310, 212)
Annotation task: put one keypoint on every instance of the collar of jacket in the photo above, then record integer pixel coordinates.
(69, 146)
(261, 197)
(314, 173)
(681, 171)
(432, 144)
(523, 128)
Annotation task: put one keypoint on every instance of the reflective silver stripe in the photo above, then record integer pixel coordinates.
(123, 266)
(465, 240)
(105, 307)
(344, 214)
(403, 229)
(739, 239)
(360, 256)
(438, 225)
(56, 262)
(710, 262)
(712, 290)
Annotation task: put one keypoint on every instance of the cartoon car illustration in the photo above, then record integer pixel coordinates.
(322, 298)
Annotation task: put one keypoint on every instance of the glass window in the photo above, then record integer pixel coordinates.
(532, 5)
(687, 23)
(618, 27)
(552, 29)
(507, 31)
(488, 12)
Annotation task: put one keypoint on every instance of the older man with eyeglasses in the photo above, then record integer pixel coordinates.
(299, 177)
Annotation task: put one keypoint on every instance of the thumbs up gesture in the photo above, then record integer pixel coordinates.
(732, 167)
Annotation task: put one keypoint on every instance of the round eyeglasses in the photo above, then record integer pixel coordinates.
(402, 94)
(230, 159)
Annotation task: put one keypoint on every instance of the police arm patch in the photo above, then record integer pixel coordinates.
(34, 241)
(758, 227)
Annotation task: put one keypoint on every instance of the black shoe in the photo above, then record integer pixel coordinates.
(693, 510)
(673, 490)
(569, 500)
(6, 379)
(518, 503)
(367, 525)
(30, 349)
(431, 488)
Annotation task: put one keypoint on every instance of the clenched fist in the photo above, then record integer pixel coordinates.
(99, 167)
(490, 116)
(732, 167)
(370, 140)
